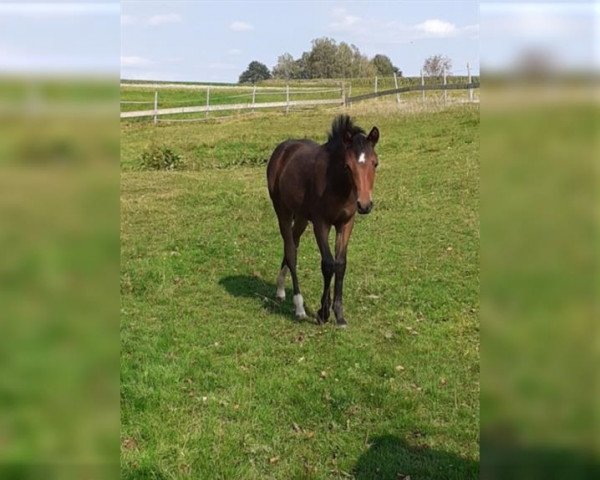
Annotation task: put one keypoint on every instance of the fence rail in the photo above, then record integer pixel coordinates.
(412, 88)
(231, 106)
(345, 98)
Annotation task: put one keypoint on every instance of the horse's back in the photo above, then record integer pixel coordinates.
(290, 159)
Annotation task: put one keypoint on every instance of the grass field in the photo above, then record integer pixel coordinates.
(219, 380)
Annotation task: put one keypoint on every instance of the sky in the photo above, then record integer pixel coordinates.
(565, 33)
(59, 37)
(215, 41)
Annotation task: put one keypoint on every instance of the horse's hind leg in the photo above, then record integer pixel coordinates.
(297, 230)
(281, 280)
(290, 251)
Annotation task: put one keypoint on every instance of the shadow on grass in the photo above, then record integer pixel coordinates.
(250, 286)
(391, 458)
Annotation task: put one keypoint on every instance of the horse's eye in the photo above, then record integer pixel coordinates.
(376, 164)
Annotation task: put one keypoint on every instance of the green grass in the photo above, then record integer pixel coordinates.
(220, 381)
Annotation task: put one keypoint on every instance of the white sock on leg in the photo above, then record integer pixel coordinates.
(281, 283)
(299, 304)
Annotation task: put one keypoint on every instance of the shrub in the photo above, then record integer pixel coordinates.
(160, 158)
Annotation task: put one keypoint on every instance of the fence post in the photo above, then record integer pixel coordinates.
(375, 84)
(253, 97)
(287, 98)
(350, 94)
(343, 94)
(422, 85)
(397, 94)
(155, 107)
(445, 91)
(469, 81)
(207, 100)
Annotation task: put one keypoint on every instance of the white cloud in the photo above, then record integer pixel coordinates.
(375, 31)
(239, 26)
(234, 52)
(343, 21)
(135, 61)
(156, 20)
(437, 28)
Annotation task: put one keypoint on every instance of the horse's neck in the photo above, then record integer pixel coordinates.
(339, 181)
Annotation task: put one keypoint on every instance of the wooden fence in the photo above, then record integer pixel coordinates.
(344, 100)
(230, 106)
(412, 88)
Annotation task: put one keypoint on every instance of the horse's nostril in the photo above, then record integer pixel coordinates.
(364, 208)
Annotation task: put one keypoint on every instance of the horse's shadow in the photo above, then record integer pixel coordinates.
(251, 286)
(391, 458)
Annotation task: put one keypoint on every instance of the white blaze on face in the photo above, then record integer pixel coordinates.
(362, 158)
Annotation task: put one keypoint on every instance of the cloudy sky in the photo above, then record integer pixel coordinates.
(215, 41)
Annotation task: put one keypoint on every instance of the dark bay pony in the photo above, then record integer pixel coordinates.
(326, 185)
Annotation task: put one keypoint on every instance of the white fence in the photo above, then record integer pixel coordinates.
(231, 106)
(341, 96)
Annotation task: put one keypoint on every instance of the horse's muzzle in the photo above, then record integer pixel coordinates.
(364, 209)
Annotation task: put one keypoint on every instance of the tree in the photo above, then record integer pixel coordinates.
(361, 65)
(301, 67)
(322, 58)
(344, 58)
(255, 72)
(434, 66)
(286, 67)
(327, 59)
(384, 65)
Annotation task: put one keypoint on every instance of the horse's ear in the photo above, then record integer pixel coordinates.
(347, 139)
(373, 136)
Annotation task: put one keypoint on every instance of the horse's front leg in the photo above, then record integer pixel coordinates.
(327, 268)
(341, 247)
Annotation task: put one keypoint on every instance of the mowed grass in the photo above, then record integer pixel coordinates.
(220, 381)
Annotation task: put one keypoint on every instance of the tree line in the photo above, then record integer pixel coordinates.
(326, 59)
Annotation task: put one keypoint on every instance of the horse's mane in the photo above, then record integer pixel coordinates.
(341, 124)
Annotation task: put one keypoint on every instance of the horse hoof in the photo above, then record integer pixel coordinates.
(279, 297)
(301, 316)
(322, 318)
(342, 323)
